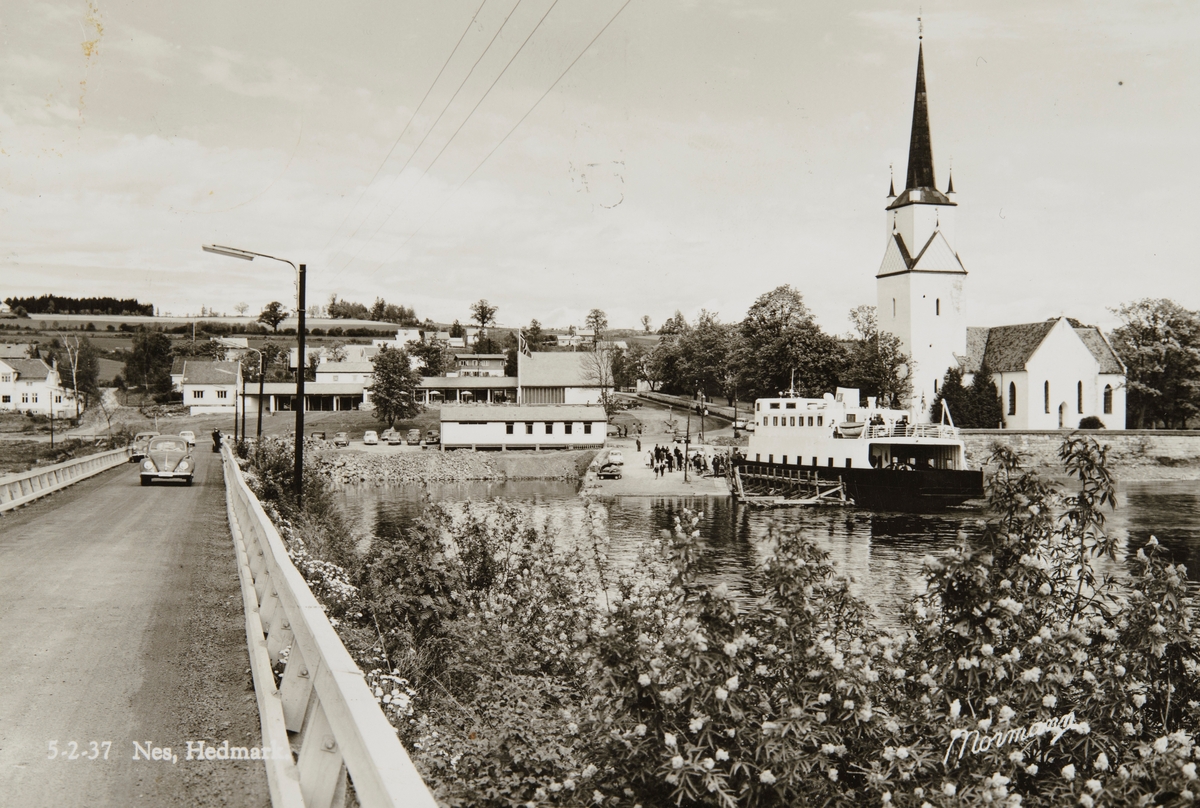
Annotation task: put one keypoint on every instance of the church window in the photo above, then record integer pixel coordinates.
(1046, 395)
(1079, 397)
(938, 306)
(935, 386)
(1108, 399)
(893, 307)
(1012, 398)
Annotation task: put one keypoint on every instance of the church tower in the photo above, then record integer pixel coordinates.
(920, 283)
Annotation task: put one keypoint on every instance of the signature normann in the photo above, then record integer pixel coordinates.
(979, 742)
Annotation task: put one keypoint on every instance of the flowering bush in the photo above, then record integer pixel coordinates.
(1021, 675)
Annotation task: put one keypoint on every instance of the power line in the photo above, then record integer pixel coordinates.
(427, 134)
(505, 138)
(404, 131)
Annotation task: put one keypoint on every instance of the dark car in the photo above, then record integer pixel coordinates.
(318, 435)
(433, 436)
(609, 471)
(168, 457)
(414, 437)
(140, 441)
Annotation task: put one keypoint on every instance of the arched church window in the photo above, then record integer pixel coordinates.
(938, 307)
(1046, 395)
(893, 307)
(1108, 399)
(1012, 398)
(1079, 396)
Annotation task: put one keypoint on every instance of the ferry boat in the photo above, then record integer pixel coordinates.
(884, 458)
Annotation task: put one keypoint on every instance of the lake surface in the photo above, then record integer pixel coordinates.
(881, 552)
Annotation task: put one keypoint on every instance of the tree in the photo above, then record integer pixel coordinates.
(273, 315)
(952, 394)
(241, 308)
(597, 320)
(204, 349)
(78, 364)
(646, 327)
(987, 410)
(434, 356)
(779, 336)
(535, 338)
(457, 330)
(394, 386)
(344, 310)
(704, 353)
(149, 362)
(675, 324)
(598, 369)
(1159, 342)
(483, 313)
(877, 364)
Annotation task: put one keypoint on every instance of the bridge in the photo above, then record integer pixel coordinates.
(141, 631)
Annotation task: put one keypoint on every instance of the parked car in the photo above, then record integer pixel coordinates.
(739, 423)
(749, 427)
(414, 437)
(189, 436)
(616, 457)
(609, 471)
(140, 441)
(370, 437)
(168, 457)
(341, 439)
(317, 436)
(433, 436)
(395, 438)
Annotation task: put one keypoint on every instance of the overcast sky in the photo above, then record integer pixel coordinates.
(698, 154)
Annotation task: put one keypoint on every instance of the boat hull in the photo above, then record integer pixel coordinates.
(916, 491)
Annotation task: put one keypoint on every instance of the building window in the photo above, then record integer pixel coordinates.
(1012, 398)
(222, 394)
(1046, 395)
(529, 427)
(893, 307)
(58, 399)
(1108, 399)
(549, 427)
(508, 428)
(587, 428)
(24, 398)
(197, 394)
(1079, 396)
(567, 427)
(6, 399)
(35, 398)
(6, 378)
(937, 304)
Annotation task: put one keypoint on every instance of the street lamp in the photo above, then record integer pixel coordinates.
(247, 255)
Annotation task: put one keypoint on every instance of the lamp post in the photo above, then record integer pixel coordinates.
(262, 372)
(247, 255)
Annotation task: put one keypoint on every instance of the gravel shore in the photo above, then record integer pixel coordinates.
(349, 467)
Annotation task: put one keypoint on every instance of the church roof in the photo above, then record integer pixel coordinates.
(935, 256)
(1007, 348)
(920, 186)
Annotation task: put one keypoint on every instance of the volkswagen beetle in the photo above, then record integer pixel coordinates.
(168, 457)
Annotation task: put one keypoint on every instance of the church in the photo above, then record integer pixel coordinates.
(1050, 374)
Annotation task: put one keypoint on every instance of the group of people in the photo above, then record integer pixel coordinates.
(662, 459)
(665, 459)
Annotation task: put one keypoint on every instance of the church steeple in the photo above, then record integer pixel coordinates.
(920, 146)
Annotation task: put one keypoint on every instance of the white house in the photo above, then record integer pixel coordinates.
(30, 385)
(211, 387)
(529, 426)
(346, 372)
(478, 365)
(559, 377)
(1050, 375)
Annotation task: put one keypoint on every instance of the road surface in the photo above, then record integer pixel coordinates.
(121, 622)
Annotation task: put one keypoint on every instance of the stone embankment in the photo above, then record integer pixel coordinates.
(358, 468)
(1141, 454)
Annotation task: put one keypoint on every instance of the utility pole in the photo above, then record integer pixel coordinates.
(299, 473)
(687, 439)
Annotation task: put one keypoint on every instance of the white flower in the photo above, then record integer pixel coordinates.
(766, 777)
(824, 698)
(1016, 757)
(985, 724)
(722, 754)
(1006, 713)
(1086, 800)
(708, 763)
(597, 797)
(1119, 670)
(696, 724)
(677, 762)
(1010, 605)
(644, 680)
(669, 739)
(732, 683)
(1068, 771)
(986, 650)
(1160, 745)
(1189, 771)
(955, 708)
(640, 730)
(848, 704)
(573, 728)
(1049, 700)
(833, 774)
(1031, 675)
(1101, 764)
(722, 694)
(1044, 589)
(589, 770)
(1138, 699)
(1031, 768)
(1094, 785)
(569, 784)
(731, 649)
(949, 789)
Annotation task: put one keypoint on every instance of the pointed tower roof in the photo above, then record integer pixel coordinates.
(950, 186)
(920, 185)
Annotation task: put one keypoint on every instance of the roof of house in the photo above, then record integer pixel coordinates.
(18, 350)
(29, 368)
(467, 382)
(480, 356)
(177, 365)
(310, 389)
(486, 413)
(199, 371)
(1007, 348)
(346, 367)
(558, 369)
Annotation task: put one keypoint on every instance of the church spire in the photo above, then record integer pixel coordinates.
(920, 146)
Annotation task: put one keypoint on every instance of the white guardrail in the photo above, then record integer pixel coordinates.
(321, 711)
(20, 489)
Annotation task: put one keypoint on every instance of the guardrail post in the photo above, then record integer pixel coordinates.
(295, 689)
(322, 772)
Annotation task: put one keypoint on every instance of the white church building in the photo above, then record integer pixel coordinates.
(1050, 374)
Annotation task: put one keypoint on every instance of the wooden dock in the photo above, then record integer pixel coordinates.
(771, 488)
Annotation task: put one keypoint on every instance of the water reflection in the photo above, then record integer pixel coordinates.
(880, 552)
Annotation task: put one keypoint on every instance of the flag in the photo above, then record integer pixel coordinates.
(522, 344)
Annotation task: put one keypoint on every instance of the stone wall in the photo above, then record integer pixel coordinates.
(1141, 449)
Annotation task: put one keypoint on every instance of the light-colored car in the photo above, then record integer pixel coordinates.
(616, 457)
(140, 441)
(370, 437)
(189, 436)
(341, 439)
(739, 423)
(394, 438)
(168, 457)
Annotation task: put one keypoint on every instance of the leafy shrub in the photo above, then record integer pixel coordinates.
(1091, 422)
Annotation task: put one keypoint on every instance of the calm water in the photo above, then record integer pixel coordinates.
(881, 552)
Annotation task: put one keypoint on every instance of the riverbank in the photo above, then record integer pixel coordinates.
(638, 480)
(1141, 455)
(349, 467)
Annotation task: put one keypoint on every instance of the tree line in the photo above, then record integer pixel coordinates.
(56, 304)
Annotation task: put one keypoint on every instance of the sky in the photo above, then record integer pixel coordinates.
(695, 154)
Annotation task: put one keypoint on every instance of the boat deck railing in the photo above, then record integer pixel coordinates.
(910, 430)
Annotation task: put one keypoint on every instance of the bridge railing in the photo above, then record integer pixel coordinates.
(319, 719)
(20, 489)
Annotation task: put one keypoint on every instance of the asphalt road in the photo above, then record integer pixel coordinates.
(121, 621)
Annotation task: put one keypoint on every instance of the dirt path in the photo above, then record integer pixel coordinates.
(121, 621)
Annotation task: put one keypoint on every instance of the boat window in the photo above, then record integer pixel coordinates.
(785, 460)
(775, 420)
(815, 461)
(757, 458)
(793, 421)
(849, 462)
(851, 417)
(774, 405)
(770, 458)
(791, 405)
(820, 419)
(757, 406)
(831, 462)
